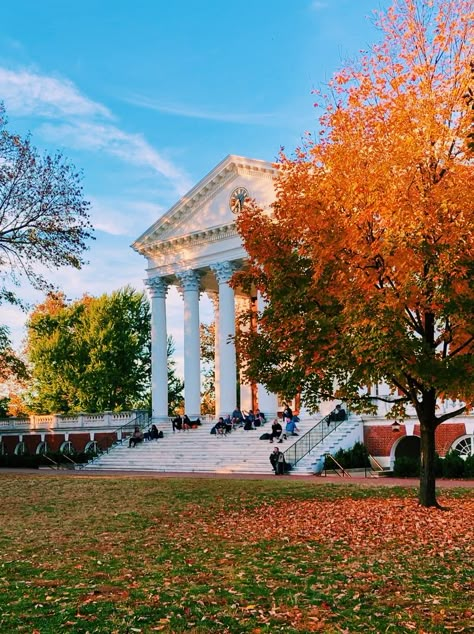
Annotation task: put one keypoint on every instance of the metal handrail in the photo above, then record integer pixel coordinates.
(344, 472)
(375, 467)
(141, 421)
(376, 463)
(56, 464)
(311, 439)
(70, 459)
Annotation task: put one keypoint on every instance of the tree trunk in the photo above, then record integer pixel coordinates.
(427, 494)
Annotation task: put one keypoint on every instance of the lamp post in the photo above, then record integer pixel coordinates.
(395, 426)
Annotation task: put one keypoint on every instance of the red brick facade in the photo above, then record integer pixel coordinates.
(380, 439)
(54, 441)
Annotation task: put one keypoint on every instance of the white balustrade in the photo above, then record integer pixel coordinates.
(105, 420)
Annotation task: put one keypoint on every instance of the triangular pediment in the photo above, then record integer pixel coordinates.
(207, 206)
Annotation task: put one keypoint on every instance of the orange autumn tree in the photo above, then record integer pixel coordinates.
(367, 261)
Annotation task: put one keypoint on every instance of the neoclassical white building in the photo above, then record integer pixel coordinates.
(195, 247)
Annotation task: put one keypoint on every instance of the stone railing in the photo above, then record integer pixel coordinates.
(104, 420)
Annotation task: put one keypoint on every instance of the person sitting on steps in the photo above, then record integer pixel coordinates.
(228, 424)
(186, 423)
(136, 437)
(177, 423)
(338, 414)
(278, 462)
(276, 430)
(220, 427)
(291, 427)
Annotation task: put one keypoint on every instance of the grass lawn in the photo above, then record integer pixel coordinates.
(202, 555)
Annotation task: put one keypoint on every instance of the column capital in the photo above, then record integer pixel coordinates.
(190, 280)
(223, 271)
(157, 286)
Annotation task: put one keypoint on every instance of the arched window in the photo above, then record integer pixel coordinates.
(91, 447)
(20, 449)
(41, 449)
(67, 448)
(464, 446)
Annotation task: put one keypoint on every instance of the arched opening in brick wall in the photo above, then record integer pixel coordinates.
(67, 448)
(91, 447)
(406, 447)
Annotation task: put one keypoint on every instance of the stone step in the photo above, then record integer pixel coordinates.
(197, 450)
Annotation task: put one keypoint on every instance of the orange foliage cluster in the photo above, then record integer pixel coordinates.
(381, 206)
(387, 189)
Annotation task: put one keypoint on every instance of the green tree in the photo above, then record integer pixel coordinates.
(94, 354)
(90, 355)
(10, 363)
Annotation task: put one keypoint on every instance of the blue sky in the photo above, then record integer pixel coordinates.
(146, 97)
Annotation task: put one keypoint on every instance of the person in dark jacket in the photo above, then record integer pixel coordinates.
(287, 412)
(276, 430)
(177, 423)
(338, 414)
(278, 462)
(136, 437)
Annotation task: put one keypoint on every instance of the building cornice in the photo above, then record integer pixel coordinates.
(208, 187)
(195, 239)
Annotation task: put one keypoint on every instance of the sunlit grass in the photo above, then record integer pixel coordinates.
(207, 555)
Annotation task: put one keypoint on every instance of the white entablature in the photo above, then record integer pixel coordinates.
(200, 227)
(195, 246)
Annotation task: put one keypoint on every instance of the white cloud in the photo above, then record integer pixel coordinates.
(27, 93)
(84, 123)
(123, 218)
(131, 148)
(244, 118)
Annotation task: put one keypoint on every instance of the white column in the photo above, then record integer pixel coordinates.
(267, 401)
(192, 350)
(157, 288)
(214, 297)
(227, 358)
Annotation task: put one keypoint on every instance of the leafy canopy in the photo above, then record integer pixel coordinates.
(367, 261)
(89, 355)
(43, 223)
(43, 215)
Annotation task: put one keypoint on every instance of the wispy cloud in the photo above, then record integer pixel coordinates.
(123, 218)
(28, 93)
(131, 148)
(244, 118)
(77, 121)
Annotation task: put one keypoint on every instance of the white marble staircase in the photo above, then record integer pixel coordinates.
(197, 450)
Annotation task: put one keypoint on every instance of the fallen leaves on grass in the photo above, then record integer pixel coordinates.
(364, 524)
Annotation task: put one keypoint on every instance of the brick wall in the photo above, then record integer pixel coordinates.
(446, 434)
(379, 439)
